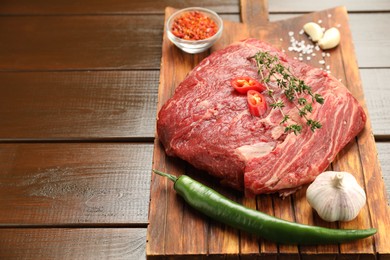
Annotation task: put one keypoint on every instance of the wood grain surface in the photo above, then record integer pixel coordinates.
(78, 93)
(70, 243)
(80, 42)
(358, 157)
(73, 184)
(108, 105)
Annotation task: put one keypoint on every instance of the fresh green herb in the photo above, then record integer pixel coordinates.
(292, 87)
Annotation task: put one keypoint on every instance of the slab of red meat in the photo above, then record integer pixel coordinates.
(208, 124)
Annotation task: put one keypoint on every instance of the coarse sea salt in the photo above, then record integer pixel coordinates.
(307, 50)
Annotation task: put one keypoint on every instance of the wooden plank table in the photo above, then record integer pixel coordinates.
(78, 99)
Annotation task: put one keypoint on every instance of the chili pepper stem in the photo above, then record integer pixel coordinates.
(169, 176)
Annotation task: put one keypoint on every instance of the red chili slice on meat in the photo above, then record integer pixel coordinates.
(244, 84)
(256, 103)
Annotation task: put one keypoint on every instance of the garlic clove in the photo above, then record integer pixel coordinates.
(330, 39)
(336, 196)
(314, 31)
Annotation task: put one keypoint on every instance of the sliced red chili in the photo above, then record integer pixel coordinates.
(256, 103)
(243, 84)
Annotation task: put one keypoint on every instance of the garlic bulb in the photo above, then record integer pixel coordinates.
(336, 196)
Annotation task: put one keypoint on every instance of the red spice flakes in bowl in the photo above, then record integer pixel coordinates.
(194, 25)
(194, 29)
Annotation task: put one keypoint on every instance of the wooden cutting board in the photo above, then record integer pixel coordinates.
(175, 230)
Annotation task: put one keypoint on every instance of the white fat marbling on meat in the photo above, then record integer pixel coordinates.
(248, 152)
(277, 132)
(205, 103)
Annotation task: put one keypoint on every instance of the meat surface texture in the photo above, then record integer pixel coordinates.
(208, 124)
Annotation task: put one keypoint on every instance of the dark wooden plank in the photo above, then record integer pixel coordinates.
(377, 92)
(249, 244)
(371, 43)
(110, 7)
(283, 209)
(267, 248)
(70, 243)
(109, 42)
(74, 184)
(297, 6)
(78, 105)
(80, 42)
(384, 158)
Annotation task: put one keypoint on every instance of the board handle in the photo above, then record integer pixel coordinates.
(254, 12)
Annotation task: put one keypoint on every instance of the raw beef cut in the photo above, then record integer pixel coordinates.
(208, 124)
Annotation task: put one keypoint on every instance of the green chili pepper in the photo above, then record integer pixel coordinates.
(220, 208)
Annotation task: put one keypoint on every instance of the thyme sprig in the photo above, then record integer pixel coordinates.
(292, 87)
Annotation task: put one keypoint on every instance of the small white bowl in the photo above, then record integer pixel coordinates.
(195, 46)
